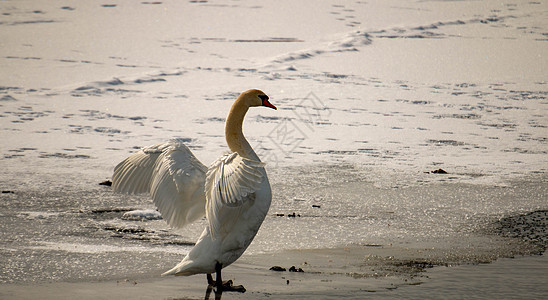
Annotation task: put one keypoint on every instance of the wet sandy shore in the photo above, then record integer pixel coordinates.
(372, 271)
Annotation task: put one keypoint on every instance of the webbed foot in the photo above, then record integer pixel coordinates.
(223, 286)
(228, 286)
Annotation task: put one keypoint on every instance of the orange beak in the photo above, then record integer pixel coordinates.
(268, 104)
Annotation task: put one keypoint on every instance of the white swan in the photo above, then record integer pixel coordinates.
(233, 193)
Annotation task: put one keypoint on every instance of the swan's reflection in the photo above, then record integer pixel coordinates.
(218, 294)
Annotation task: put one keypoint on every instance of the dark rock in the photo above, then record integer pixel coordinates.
(106, 182)
(439, 171)
(277, 269)
(110, 210)
(8, 192)
(294, 269)
(317, 206)
(280, 215)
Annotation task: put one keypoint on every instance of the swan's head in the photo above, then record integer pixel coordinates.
(256, 98)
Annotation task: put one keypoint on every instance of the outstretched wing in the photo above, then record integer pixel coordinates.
(231, 181)
(134, 174)
(172, 175)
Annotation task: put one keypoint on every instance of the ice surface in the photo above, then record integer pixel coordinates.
(142, 214)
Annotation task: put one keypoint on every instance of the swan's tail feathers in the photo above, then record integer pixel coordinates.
(184, 268)
(174, 272)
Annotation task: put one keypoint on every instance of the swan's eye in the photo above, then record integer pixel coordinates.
(263, 97)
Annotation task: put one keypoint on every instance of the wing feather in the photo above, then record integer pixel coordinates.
(132, 175)
(231, 181)
(171, 174)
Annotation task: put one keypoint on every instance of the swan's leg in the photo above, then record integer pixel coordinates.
(219, 279)
(226, 286)
(210, 280)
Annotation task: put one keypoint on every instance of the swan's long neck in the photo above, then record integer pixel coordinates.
(233, 131)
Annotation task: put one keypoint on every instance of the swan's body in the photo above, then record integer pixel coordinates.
(234, 192)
